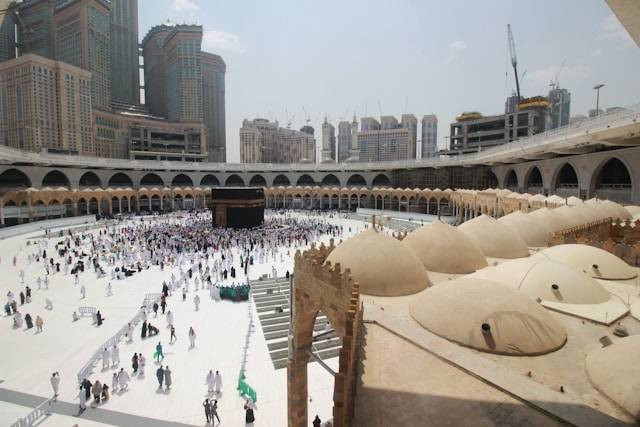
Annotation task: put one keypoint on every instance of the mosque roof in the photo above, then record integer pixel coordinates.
(595, 262)
(633, 210)
(614, 370)
(555, 199)
(381, 264)
(494, 238)
(539, 277)
(488, 316)
(574, 201)
(538, 198)
(549, 217)
(574, 216)
(534, 233)
(445, 249)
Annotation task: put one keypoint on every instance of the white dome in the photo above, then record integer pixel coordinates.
(488, 316)
(539, 277)
(494, 238)
(549, 218)
(595, 262)
(445, 249)
(534, 233)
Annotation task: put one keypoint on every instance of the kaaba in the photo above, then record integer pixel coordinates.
(238, 207)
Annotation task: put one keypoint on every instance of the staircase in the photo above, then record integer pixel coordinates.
(268, 294)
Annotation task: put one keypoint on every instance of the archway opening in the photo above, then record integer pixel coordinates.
(89, 179)
(281, 180)
(181, 180)
(257, 181)
(356, 180)
(209, 181)
(613, 182)
(55, 179)
(234, 181)
(567, 182)
(120, 180)
(305, 180)
(511, 181)
(492, 180)
(381, 180)
(151, 179)
(330, 181)
(13, 180)
(534, 182)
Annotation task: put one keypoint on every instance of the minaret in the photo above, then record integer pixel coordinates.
(354, 151)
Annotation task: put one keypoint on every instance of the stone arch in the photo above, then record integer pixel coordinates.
(257, 181)
(12, 180)
(565, 182)
(54, 179)
(322, 288)
(330, 180)
(305, 180)
(120, 179)
(210, 180)
(612, 180)
(181, 180)
(492, 179)
(533, 181)
(356, 180)
(381, 180)
(281, 180)
(234, 181)
(151, 179)
(89, 179)
(511, 180)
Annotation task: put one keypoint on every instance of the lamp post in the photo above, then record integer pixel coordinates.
(597, 89)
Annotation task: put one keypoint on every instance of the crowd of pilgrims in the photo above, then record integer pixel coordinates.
(199, 256)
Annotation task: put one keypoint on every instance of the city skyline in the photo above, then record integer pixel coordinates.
(340, 72)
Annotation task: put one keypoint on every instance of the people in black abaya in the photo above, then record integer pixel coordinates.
(99, 317)
(143, 334)
(29, 321)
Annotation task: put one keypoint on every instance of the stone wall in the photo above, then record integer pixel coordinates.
(321, 287)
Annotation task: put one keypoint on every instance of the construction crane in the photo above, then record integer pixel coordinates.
(554, 83)
(307, 117)
(514, 59)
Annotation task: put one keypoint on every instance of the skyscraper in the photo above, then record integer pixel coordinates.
(328, 142)
(386, 140)
(429, 145)
(560, 109)
(154, 71)
(262, 141)
(124, 52)
(81, 29)
(183, 74)
(213, 107)
(35, 29)
(7, 32)
(344, 140)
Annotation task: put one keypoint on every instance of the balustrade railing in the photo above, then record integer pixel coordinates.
(42, 410)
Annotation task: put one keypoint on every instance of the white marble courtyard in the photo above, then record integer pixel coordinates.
(29, 358)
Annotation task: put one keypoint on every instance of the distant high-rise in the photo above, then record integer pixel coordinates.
(7, 31)
(328, 153)
(154, 70)
(183, 74)
(82, 38)
(429, 145)
(36, 32)
(213, 108)
(385, 140)
(511, 104)
(124, 52)
(344, 140)
(262, 141)
(559, 111)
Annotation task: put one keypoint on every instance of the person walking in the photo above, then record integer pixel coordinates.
(134, 363)
(97, 391)
(173, 335)
(196, 301)
(317, 422)
(249, 417)
(217, 380)
(106, 355)
(83, 291)
(142, 362)
(210, 381)
(214, 411)
(167, 378)
(160, 376)
(159, 355)
(114, 382)
(207, 410)
(192, 336)
(55, 383)
(39, 323)
(115, 356)
(82, 397)
(86, 384)
(123, 379)
(109, 289)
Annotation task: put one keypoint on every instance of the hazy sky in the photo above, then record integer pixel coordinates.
(340, 57)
